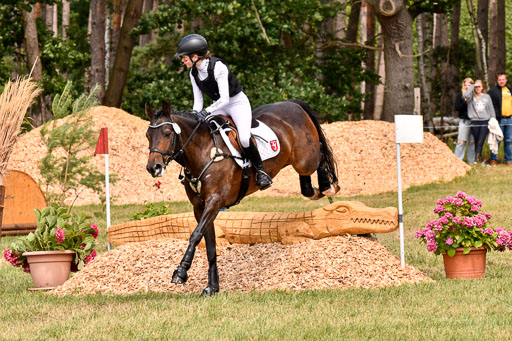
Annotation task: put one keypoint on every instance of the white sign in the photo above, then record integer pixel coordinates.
(409, 128)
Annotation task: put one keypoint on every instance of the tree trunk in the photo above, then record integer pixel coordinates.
(425, 70)
(116, 30)
(441, 33)
(114, 93)
(453, 61)
(340, 24)
(369, 105)
(480, 45)
(38, 113)
(146, 38)
(500, 34)
(483, 21)
(98, 45)
(353, 22)
(65, 18)
(497, 42)
(396, 24)
(381, 71)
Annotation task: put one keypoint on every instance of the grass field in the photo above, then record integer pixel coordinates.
(441, 310)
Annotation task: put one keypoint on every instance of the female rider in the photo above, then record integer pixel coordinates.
(212, 76)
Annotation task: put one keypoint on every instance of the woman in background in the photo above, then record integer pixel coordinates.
(465, 139)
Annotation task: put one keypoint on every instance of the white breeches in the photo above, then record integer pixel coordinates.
(239, 109)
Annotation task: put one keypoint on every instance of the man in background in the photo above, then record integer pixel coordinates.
(501, 95)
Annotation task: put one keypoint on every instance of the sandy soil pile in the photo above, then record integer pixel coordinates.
(336, 262)
(365, 151)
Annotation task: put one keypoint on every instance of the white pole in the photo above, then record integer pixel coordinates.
(400, 210)
(107, 194)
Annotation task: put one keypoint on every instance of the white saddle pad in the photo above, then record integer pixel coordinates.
(266, 139)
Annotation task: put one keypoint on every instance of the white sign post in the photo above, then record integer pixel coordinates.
(408, 129)
(102, 148)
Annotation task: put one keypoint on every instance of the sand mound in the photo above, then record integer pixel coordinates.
(336, 262)
(365, 151)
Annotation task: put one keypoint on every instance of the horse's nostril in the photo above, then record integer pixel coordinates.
(157, 167)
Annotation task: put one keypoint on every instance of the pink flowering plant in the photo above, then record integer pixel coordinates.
(462, 224)
(57, 230)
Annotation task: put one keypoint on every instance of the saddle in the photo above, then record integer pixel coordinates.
(232, 132)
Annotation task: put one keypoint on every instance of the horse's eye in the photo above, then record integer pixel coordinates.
(167, 134)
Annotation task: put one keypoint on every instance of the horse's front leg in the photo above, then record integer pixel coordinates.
(209, 214)
(211, 252)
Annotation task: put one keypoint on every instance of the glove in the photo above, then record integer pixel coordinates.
(201, 116)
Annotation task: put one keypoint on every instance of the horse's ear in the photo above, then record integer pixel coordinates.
(166, 107)
(149, 111)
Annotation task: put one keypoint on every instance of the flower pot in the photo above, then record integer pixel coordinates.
(471, 265)
(49, 269)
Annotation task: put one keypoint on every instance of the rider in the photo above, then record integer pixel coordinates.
(212, 76)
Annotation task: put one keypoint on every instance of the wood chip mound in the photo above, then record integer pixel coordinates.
(335, 262)
(365, 152)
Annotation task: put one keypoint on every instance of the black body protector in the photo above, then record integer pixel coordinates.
(209, 85)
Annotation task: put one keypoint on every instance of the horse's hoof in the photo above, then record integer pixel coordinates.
(209, 291)
(316, 195)
(332, 190)
(179, 276)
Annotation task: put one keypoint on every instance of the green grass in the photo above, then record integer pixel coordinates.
(441, 310)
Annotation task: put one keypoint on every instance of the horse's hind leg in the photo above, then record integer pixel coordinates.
(211, 252)
(307, 189)
(324, 182)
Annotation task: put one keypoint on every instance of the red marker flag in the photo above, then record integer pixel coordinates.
(102, 146)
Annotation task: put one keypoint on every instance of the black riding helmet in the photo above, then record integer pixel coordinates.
(192, 44)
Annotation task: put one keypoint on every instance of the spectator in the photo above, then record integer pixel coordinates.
(465, 139)
(501, 96)
(480, 111)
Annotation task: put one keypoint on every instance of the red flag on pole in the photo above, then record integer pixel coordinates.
(102, 146)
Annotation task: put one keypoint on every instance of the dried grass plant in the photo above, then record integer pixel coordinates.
(15, 100)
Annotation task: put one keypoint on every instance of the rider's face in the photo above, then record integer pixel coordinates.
(189, 61)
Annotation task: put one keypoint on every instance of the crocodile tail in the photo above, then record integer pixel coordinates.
(328, 160)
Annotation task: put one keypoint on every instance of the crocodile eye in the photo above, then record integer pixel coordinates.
(167, 134)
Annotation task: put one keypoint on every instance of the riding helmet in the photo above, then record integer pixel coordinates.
(192, 44)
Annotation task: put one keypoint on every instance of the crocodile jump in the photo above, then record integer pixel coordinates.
(336, 219)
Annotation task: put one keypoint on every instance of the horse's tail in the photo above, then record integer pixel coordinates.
(325, 148)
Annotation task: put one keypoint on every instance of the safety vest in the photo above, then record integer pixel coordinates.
(209, 85)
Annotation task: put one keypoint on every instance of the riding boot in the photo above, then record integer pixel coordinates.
(263, 180)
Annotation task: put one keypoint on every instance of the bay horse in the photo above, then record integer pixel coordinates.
(212, 185)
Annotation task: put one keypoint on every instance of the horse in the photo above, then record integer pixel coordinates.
(213, 181)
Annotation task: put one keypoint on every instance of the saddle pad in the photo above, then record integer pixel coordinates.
(266, 140)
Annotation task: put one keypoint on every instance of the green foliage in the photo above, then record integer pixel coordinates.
(66, 166)
(57, 230)
(285, 66)
(153, 209)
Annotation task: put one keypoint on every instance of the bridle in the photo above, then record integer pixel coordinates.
(170, 154)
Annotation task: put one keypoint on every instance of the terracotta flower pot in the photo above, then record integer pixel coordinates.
(471, 265)
(49, 269)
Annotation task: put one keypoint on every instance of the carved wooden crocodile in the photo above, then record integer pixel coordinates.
(339, 218)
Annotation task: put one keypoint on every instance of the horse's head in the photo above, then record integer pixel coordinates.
(162, 134)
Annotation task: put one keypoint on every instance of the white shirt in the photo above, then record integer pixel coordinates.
(220, 73)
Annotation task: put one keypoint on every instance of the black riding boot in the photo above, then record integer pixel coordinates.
(263, 180)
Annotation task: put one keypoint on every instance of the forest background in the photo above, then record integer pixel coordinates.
(350, 60)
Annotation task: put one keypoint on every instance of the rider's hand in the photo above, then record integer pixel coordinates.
(201, 116)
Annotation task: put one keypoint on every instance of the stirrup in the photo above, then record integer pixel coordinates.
(264, 183)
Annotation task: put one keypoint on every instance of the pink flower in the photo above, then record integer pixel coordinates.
(11, 257)
(489, 231)
(475, 208)
(460, 195)
(488, 215)
(26, 267)
(499, 241)
(431, 245)
(448, 215)
(439, 209)
(431, 235)
(438, 227)
(440, 202)
(458, 202)
(59, 235)
(95, 233)
(443, 220)
(90, 257)
(449, 241)
(457, 220)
